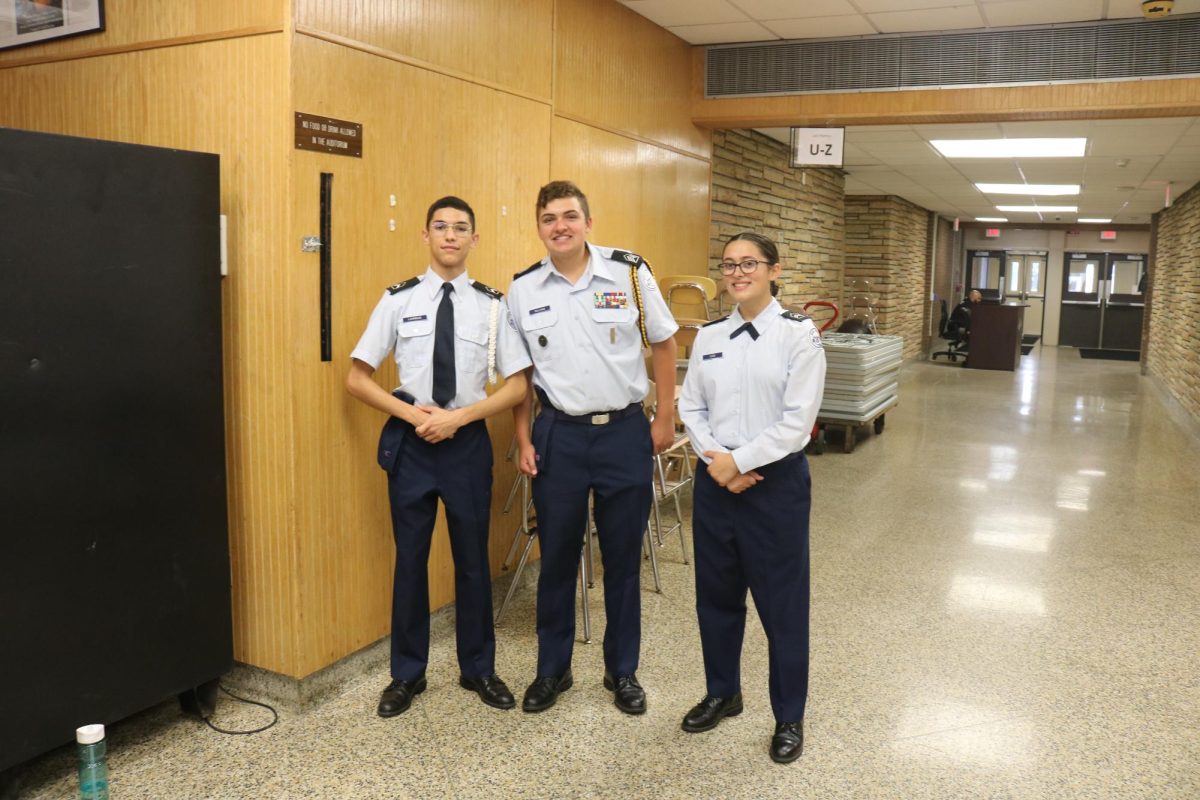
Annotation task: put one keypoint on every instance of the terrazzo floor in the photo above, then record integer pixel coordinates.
(1006, 604)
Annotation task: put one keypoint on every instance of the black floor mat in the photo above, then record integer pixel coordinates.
(1115, 355)
(1026, 349)
(1030, 338)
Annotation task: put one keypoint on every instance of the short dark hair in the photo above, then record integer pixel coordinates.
(450, 201)
(764, 245)
(560, 190)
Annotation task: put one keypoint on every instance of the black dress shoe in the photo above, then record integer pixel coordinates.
(544, 691)
(628, 694)
(710, 711)
(788, 742)
(491, 690)
(398, 696)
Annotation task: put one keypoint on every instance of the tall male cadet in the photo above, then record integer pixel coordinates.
(450, 335)
(578, 312)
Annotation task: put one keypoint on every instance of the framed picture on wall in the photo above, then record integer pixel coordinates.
(24, 22)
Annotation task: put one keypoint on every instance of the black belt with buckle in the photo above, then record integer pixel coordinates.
(596, 418)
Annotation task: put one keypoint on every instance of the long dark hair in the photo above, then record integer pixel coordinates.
(765, 246)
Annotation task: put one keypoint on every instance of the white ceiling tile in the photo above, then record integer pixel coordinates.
(1040, 12)
(669, 13)
(876, 6)
(1145, 139)
(933, 19)
(864, 137)
(821, 27)
(1071, 129)
(788, 9)
(985, 130)
(721, 34)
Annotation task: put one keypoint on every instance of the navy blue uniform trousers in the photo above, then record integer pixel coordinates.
(459, 471)
(756, 539)
(613, 461)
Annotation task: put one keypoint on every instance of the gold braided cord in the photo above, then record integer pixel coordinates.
(637, 301)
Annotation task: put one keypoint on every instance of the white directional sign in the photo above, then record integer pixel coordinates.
(818, 147)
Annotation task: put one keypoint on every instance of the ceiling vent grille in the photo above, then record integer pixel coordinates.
(1058, 54)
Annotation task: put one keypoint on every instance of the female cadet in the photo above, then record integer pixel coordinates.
(749, 402)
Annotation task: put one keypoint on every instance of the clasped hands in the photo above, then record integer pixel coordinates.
(437, 424)
(724, 471)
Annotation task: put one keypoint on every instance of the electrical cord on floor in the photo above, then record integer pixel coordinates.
(274, 714)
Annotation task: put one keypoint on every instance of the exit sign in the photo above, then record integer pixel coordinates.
(1108, 236)
(991, 233)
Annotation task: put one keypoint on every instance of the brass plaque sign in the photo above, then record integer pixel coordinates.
(327, 135)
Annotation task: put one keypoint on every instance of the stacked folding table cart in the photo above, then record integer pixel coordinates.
(862, 373)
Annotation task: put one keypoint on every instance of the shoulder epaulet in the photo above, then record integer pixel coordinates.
(630, 258)
(527, 270)
(495, 294)
(794, 316)
(402, 285)
(715, 321)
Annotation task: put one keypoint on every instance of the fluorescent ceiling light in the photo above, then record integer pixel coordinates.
(1031, 189)
(1039, 209)
(1093, 219)
(1010, 148)
(993, 219)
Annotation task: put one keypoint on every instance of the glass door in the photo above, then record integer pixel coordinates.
(1024, 282)
(1083, 287)
(1123, 306)
(986, 273)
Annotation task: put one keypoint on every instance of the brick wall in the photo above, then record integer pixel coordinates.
(887, 244)
(755, 189)
(1174, 335)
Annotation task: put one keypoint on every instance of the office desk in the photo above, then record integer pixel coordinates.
(996, 335)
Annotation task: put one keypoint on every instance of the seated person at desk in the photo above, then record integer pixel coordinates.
(960, 317)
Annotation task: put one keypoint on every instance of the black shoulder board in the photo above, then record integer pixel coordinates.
(495, 294)
(715, 321)
(794, 317)
(527, 270)
(632, 258)
(402, 285)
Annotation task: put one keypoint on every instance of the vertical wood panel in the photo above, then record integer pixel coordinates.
(179, 97)
(507, 42)
(135, 22)
(617, 70)
(425, 135)
(645, 198)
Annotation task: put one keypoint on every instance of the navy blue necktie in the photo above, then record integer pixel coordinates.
(747, 328)
(444, 381)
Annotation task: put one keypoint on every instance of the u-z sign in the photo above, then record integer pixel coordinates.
(818, 147)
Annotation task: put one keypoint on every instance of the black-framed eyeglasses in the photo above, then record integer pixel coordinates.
(747, 266)
(441, 228)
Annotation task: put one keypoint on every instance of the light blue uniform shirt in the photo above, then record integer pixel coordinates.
(754, 398)
(403, 323)
(584, 340)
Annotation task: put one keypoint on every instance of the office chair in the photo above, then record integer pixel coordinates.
(954, 330)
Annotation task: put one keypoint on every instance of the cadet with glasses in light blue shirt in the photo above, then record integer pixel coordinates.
(749, 402)
(450, 335)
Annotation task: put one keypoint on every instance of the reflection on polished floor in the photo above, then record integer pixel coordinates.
(1006, 604)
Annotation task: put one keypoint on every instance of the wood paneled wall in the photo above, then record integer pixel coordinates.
(616, 70)
(180, 97)
(456, 96)
(142, 24)
(449, 106)
(425, 135)
(508, 43)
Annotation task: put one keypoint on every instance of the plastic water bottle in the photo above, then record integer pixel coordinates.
(93, 768)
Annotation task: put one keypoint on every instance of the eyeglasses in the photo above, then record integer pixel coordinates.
(442, 228)
(747, 266)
